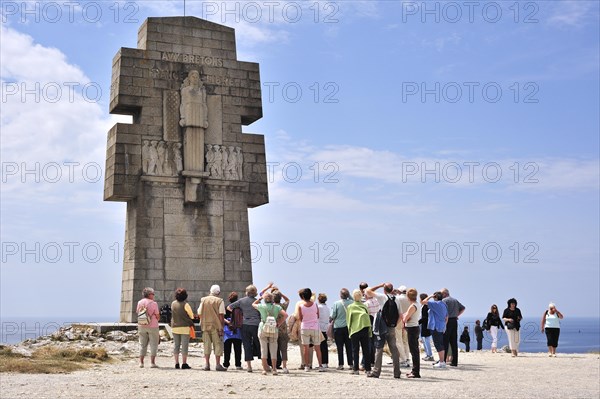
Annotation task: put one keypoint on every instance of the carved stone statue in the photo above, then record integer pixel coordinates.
(194, 120)
(193, 108)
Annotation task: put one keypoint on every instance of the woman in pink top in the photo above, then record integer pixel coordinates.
(309, 327)
(148, 332)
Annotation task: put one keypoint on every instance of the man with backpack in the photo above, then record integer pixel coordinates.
(384, 327)
(251, 320)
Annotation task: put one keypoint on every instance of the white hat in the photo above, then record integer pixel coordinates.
(402, 288)
(215, 290)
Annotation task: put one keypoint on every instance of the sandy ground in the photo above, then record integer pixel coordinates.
(480, 374)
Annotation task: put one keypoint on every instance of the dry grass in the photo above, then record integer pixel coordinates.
(50, 360)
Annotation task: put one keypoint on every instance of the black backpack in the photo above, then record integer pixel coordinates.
(390, 312)
(486, 324)
(165, 314)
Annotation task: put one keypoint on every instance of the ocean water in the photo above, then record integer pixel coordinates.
(577, 335)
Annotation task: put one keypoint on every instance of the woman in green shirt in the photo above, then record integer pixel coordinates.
(360, 330)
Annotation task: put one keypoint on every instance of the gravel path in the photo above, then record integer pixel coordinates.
(479, 375)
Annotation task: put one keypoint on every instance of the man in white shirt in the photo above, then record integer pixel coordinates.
(390, 337)
(401, 334)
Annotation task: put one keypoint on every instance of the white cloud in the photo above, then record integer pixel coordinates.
(54, 138)
(573, 13)
(440, 43)
(452, 168)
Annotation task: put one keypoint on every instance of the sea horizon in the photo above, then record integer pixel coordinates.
(578, 334)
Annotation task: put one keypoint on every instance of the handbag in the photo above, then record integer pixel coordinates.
(330, 330)
(486, 324)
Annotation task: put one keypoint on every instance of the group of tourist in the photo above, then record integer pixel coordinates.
(361, 322)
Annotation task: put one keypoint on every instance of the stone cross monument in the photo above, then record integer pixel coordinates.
(184, 167)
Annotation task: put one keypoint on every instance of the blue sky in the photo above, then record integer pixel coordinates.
(372, 212)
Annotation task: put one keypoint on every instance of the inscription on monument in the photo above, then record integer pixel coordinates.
(192, 59)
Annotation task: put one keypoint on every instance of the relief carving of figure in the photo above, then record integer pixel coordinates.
(210, 160)
(193, 108)
(152, 158)
(177, 159)
(240, 163)
(224, 161)
(145, 156)
(161, 151)
(218, 161)
(231, 172)
(165, 159)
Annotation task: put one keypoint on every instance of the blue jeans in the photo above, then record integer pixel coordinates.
(427, 346)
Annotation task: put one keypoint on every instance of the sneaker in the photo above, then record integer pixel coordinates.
(239, 368)
(220, 368)
(326, 366)
(340, 368)
(371, 375)
(355, 372)
(439, 365)
(361, 368)
(206, 368)
(185, 366)
(321, 369)
(176, 365)
(411, 375)
(275, 372)
(301, 367)
(428, 358)
(142, 364)
(153, 366)
(249, 369)
(285, 370)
